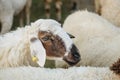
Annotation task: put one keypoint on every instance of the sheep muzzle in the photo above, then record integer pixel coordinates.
(73, 57)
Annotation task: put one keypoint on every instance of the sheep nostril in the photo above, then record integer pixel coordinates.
(75, 53)
(76, 56)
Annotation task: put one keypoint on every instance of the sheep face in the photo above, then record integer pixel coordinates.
(56, 49)
(54, 42)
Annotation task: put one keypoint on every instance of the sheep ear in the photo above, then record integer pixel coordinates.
(38, 52)
(70, 35)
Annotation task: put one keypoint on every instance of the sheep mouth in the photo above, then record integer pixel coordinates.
(71, 62)
(73, 56)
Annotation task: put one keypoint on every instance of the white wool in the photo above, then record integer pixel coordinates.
(74, 73)
(109, 9)
(15, 50)
(97, 39)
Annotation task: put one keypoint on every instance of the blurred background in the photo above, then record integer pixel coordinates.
(68, 6)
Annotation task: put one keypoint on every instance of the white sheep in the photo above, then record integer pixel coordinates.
(96, 38)
(109, 9)
(42, 38)
(74, 73)
(9, 8)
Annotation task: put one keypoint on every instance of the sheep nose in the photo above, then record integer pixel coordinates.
(73, 57)
(76, 56)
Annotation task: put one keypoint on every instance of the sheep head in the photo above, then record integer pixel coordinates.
(49, 40)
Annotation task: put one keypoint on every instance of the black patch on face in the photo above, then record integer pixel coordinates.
(75, 52)
(73, 57)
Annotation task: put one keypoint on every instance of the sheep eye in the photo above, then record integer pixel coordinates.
(46, 38)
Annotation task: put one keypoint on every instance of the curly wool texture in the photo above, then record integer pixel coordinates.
(74, 73)
(96, 38)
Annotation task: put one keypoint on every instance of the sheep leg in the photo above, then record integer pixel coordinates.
(74, 5)
(22, 18)
(27, 11)
(6, 23)
(47, 8)
(58, 5)
(97, 6)
(0, 26)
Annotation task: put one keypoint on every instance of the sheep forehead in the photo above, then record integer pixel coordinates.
(54, 27)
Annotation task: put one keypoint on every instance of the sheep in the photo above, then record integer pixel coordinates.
(10, 8)
(96, 38)
(26, 12)
(73, 73)
(109, 9)
(32, 44)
